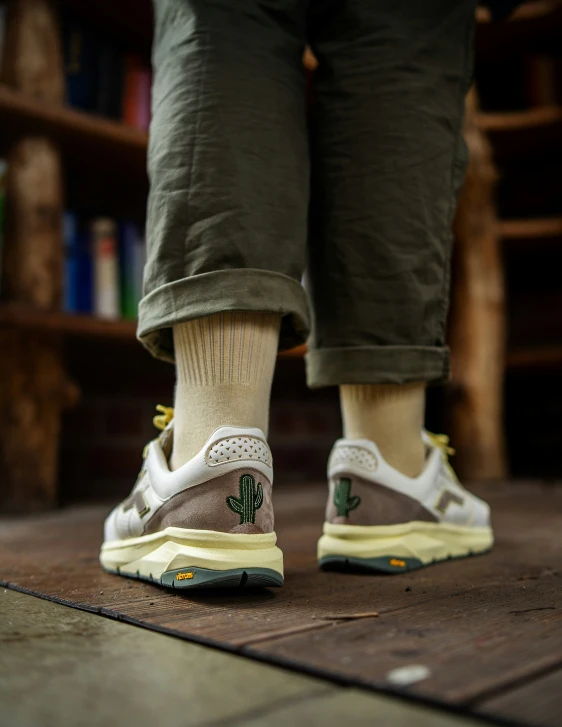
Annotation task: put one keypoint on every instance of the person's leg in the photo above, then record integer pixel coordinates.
(388, 156)
(387, 161)
(226, 234)
(228, 165)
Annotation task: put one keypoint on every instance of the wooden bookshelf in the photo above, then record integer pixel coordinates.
(530, 24)
(523, 134)
(537, 9)
(75, 131)
(85, 325)
(514, 121)
(531, 229)
(89, 326)
(12, 314)
(130, 20)
(534, 357)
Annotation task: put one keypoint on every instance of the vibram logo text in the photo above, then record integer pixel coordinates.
(184, 576)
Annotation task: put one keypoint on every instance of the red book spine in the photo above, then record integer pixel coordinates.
(136, 94)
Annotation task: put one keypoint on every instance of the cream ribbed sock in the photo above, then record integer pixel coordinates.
(224, 366)
(391, 416)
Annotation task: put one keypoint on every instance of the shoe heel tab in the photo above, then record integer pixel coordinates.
(228, 431)
(361, 454)
(231, 445)
(367, 444)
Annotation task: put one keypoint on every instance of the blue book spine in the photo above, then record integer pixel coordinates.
(131, 258)
(140, 262)
(85, 271)
(71, 263)
(81, 65)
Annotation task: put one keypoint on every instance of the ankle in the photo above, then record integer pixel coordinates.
(200, 410)
(406, 455)
(225, 366)
(390, 415)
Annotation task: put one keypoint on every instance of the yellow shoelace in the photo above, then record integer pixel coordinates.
(441, 441)
(162, 420)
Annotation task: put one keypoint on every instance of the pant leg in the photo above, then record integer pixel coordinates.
(387, 162)
(228, 166)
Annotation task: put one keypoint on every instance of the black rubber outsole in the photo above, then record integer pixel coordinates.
(386, 565)
(190, 578)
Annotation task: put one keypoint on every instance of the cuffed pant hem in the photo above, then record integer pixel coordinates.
(376, 365)
(203, 295)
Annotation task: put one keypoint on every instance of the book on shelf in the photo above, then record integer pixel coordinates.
(77, 266)
(2, 31)
(70, 298)
(101, 78)
(136, 98)
(109, 96)
(132, 259)
(103, 268)
(80, 64)
(3, 171)
(106, 268)
(103, 263)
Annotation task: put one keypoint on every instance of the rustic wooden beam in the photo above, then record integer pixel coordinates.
(32, 61)
(477, 322)
(34, 387)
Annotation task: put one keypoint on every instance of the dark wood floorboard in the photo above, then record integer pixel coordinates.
(478, 625)
(538, 702)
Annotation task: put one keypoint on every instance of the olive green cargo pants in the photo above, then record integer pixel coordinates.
(248, 185)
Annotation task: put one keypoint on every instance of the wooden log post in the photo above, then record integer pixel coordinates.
(477, 321)
(34, 387)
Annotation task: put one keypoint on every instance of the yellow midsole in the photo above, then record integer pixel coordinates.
(172, 548)
(422, 540)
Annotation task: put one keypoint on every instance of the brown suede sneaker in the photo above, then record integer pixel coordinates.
(207, 524)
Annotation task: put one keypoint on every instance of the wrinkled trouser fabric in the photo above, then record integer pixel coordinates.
(248, 185)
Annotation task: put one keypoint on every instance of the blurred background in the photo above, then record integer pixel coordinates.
(77, 392)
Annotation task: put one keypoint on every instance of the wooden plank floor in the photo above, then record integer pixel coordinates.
(487, 630)
(62, 667)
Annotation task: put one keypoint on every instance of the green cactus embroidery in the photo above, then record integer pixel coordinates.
(250, 500)
(342, 500)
